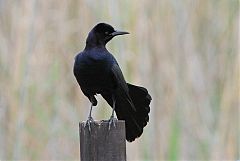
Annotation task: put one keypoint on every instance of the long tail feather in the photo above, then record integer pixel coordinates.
(136, 117)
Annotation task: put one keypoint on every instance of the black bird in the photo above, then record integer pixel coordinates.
(97, 72)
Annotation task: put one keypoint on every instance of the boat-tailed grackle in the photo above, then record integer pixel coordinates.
(97, 72)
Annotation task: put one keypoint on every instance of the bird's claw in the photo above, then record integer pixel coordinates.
(111, 121)
(88, 123)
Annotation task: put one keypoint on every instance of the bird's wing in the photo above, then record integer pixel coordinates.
(122, 88)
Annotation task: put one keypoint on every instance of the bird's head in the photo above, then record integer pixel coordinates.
(101, 34)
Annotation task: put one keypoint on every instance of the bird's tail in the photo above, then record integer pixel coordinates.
(136, 117)
(134, 112)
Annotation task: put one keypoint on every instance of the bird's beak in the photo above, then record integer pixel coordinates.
(115, 33)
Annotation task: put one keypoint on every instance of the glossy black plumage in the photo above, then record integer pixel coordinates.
(97, 72)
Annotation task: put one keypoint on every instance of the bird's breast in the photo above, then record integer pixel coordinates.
(93, 74)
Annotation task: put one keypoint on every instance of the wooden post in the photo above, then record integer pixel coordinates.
(102, 144)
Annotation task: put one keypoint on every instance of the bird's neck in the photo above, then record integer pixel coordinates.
(93, 42)
(91, 45)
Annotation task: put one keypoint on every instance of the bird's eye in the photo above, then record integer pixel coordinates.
(106, 32)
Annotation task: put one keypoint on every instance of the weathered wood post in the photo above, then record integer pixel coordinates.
(102, 144)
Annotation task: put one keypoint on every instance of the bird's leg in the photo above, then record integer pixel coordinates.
(112, 120)
(90, 119)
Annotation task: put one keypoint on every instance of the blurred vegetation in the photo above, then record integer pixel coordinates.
(185, 52)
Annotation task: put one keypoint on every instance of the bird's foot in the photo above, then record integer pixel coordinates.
(111, 121)
(88, 123)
